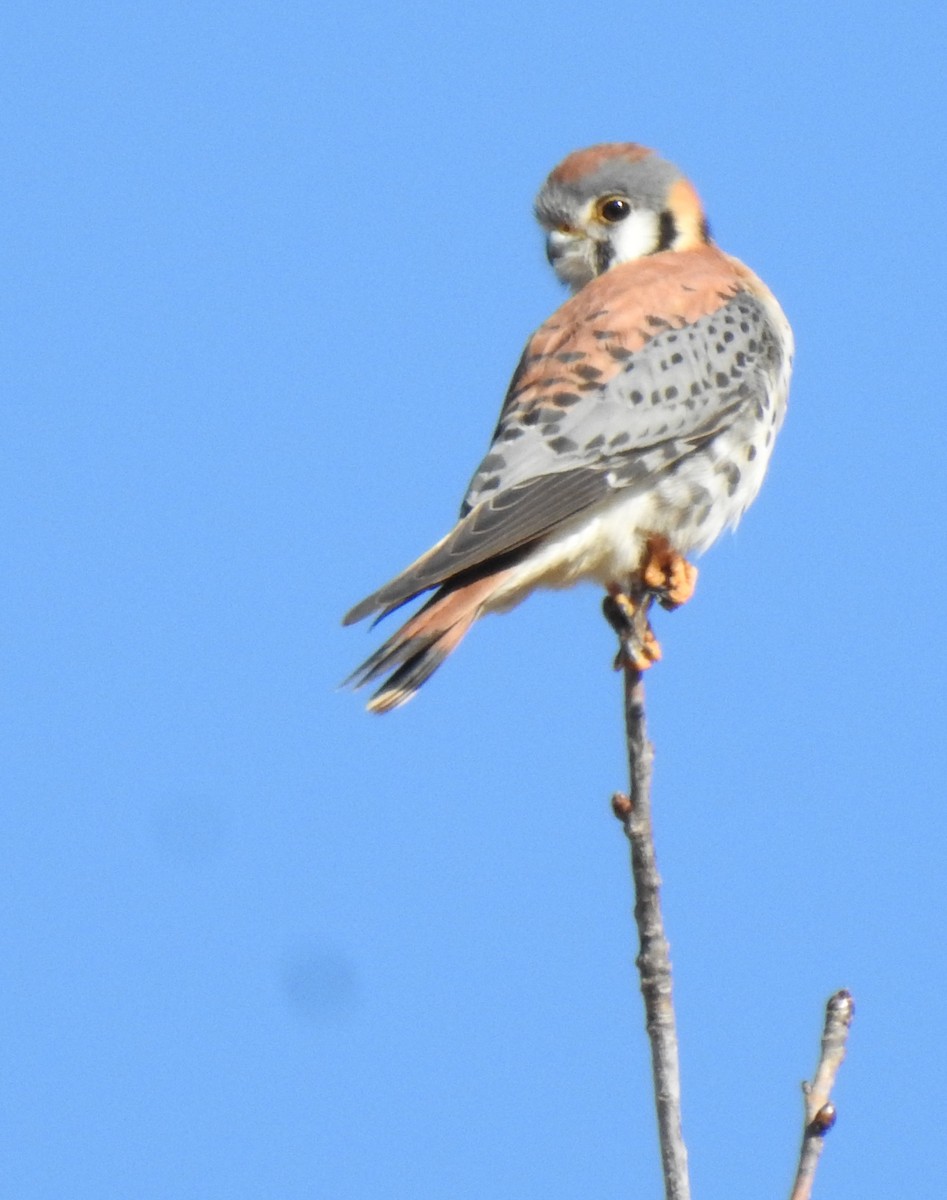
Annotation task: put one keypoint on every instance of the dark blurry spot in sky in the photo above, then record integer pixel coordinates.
(320, 984)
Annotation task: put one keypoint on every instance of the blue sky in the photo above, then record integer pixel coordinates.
(266, 272)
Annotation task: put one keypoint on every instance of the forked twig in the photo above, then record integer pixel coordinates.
(819, 1109)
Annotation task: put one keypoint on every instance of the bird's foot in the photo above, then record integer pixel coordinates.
(628, 616)
(667, 575)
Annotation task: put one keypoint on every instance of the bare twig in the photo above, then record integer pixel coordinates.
(653, 962)
(628, 616)
(819, 1109)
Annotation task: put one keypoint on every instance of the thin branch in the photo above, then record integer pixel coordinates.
(653, 962)
(819, 1109)
(628, 616)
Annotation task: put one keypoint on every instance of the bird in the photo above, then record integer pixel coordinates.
(637, 427)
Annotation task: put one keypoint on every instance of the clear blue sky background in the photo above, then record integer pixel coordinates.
(266, 269)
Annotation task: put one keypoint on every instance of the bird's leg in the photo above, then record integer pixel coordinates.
(667, 575)
(627, 613)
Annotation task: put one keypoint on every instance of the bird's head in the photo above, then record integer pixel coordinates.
(612, 203)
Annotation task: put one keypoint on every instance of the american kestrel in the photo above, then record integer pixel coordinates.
(638, 424)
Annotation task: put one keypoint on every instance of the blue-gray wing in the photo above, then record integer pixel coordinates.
(614, 391)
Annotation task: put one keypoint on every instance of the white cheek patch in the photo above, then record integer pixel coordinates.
(639, 234)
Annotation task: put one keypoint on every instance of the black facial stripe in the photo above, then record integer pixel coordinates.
(603, 256)
(667, 230)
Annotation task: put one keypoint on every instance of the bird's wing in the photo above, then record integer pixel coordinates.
(644, 365)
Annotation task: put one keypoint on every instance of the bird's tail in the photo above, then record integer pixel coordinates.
(419, 647)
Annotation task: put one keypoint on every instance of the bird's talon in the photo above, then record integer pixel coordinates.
(620, 612)
(638, 647)
(648, 650)
(626, 606)
(637, 658)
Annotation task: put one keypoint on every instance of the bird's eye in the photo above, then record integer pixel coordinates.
(613, 209)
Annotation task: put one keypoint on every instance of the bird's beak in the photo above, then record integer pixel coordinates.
(571, 254)
(560, 242)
